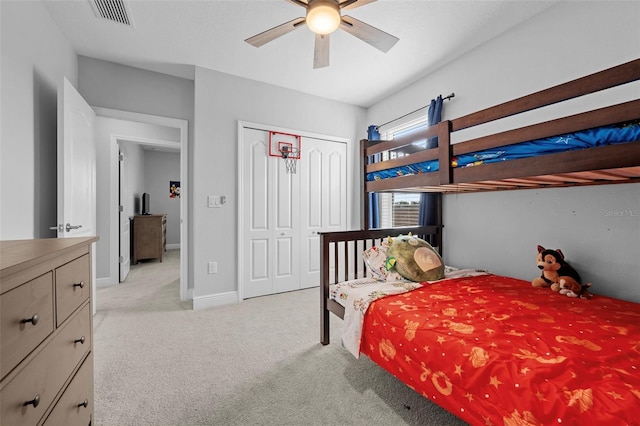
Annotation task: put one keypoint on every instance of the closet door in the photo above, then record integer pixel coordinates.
(270, 256)
(281, 213)
(323, 195)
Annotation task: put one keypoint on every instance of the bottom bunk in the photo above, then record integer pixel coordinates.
(489, 349)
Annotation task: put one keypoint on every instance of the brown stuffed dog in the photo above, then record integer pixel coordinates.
(558, 274)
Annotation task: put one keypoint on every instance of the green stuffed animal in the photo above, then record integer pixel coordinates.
(414, 259)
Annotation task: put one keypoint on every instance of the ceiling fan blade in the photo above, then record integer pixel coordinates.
(365, 32)
(321, 51)
(302, 3)
(275, 32)
(352, 4)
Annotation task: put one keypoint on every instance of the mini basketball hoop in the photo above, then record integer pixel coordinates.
(290, 155)
(285, 146)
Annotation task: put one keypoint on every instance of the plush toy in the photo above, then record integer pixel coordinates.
(558, 274)
(414, 259)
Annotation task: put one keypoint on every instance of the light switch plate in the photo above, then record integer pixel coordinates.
(213, 201)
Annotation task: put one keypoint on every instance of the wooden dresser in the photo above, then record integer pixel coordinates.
(46, 352)
(149, 237)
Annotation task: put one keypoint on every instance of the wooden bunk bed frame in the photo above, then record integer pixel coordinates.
(592, 166)
(611, 164)
(341, 252)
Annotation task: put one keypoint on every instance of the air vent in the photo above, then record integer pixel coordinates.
(113, 10)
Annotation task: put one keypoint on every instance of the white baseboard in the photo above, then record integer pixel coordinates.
(173, 246)
(213, 300)
(105, 282)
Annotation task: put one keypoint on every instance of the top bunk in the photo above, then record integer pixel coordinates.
(599, 146)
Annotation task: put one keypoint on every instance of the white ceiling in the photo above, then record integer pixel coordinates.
(172, 36)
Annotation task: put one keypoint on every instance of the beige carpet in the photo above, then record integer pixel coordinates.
(157, 362)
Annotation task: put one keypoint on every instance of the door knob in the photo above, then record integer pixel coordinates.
(62, 228)
(69, 227)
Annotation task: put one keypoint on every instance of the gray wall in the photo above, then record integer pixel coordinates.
(159, 169)
(221, 100)
(500, 231)
(35, 58)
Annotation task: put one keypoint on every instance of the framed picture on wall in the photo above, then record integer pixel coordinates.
(174, 189)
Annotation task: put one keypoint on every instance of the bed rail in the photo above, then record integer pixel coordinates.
(600, 165)
(341, 260)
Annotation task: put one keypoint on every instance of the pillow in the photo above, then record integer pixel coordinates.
(376, 259)
(415, 259)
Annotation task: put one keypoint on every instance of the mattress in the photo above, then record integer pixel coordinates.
(607, 135)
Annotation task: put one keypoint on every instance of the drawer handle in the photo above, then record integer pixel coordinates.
(35, 402)
(80, 340)
(84, 403)
(80, 284)
(33, 320)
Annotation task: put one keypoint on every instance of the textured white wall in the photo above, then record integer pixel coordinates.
(500, 231)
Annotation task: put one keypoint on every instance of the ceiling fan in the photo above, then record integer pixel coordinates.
(324, 17)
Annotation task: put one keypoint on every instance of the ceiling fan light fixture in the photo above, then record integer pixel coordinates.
(323, 16)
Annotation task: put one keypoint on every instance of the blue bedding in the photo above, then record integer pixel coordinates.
(607, 135)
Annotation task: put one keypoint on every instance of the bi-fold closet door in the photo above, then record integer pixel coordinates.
(281, 213)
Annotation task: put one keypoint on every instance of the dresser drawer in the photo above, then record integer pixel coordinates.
(27, 319)
(45, 374)
(72, 286)
(75, 407)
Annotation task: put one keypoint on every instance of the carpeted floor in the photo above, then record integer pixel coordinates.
(259, 362)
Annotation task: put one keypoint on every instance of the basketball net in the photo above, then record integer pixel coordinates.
(290, 155)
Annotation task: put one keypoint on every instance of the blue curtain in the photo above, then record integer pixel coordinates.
(374, 210)
(428, 213)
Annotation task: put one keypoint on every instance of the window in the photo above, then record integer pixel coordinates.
(400, 208)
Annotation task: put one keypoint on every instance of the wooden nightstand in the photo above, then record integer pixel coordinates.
(149, 237)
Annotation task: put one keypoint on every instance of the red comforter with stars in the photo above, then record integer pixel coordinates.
(495, 351)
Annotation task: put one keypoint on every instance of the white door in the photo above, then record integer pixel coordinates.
(124, 260)
(270, 218)
(323, 195)
(76, 169)
(76, 165)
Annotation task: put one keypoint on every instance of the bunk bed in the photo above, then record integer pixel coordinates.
(493, 349)
(607, 161)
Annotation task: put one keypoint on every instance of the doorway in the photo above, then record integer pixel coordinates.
(149, 167)
(179, 143)
(282, 213)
